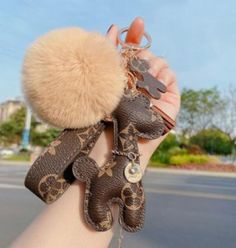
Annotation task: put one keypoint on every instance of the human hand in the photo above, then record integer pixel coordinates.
(69, 207)
(159, 68)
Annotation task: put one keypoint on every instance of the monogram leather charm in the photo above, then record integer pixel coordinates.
(146, 81)
(133, 118)
(91, 90)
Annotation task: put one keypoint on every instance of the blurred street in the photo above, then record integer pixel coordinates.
(183, 210)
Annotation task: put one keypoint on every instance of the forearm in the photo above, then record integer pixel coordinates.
(61, 224)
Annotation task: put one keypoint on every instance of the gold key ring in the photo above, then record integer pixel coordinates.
(132, 46)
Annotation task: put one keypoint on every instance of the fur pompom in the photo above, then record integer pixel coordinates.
(72, 78)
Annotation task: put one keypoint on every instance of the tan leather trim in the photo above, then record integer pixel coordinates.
(168, 121)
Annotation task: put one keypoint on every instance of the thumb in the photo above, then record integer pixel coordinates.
(136, 31)
(112, 34)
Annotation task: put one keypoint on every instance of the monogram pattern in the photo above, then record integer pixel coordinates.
(107, 169)
(132, 196)
(106, 224)
(107, 185)
(85, 133)
(51, 188)
(128, 138)
(52, 148)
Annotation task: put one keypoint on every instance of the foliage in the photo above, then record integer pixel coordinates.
(165, 160)
(169, 142)
(18, 157)
(198, 109)
(172, 152)
(227, 117)
(162, 155)
(194, 149)
(177, 151)
(189, 159)
(11, 130)
(44, 138)
(213, 141)
(168, 148)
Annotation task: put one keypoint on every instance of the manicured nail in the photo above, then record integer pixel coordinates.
(110, 28)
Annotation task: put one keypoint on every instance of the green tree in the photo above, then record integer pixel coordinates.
(11, 130)
(213, 141)
(169, 142)
(199, 109)
(227, 117)
(162, 154)
(44, 138)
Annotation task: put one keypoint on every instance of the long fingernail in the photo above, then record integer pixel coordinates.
(110, 28)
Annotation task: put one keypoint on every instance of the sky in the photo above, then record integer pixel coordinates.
(196, 37)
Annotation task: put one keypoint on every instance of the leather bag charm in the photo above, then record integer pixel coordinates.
(119, 180)
(86, 84)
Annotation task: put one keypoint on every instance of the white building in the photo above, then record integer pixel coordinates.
(9, 107)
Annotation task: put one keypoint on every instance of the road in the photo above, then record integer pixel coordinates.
(183, 211)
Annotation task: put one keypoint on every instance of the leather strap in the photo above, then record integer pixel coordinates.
(168, 121)
(50, 175)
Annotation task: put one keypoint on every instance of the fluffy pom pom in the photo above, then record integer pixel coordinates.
(72, 78)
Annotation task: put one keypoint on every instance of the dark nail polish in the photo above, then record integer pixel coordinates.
(110, 28)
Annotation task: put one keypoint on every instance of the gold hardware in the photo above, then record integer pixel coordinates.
(133, 172)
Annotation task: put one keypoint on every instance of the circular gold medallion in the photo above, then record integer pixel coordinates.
(133, 172)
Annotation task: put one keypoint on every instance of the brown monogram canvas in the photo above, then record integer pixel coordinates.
(67, 158)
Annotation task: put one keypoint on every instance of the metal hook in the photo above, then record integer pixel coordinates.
(131, 46)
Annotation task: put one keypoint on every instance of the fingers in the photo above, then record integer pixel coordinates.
(136, 31)
(112, 34)
(156, 63)
(166, 76)
(169, 101)
(159, 67)
(134, 34)
(146, 54)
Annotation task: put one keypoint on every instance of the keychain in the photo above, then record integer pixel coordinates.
(140, 79)
(119, 180)
(132, 116)
(138, 68)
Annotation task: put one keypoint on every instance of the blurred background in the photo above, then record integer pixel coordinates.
(191, 181)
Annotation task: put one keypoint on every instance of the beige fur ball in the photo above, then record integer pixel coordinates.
(72, 78)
